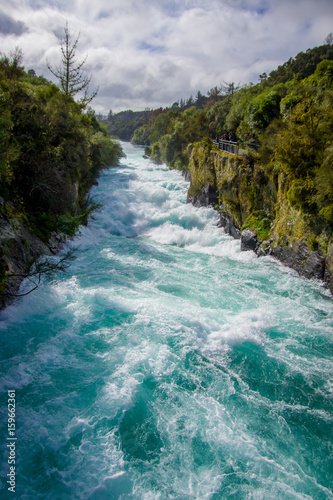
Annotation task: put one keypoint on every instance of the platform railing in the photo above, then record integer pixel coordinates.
(234, 148)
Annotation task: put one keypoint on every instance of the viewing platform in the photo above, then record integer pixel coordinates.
(234, 148)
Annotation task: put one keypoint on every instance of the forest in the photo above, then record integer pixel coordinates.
(51, 151)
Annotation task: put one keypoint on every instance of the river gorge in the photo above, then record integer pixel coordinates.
(166, 363)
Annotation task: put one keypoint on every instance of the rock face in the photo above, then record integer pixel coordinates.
(207, 197)
(255, 198)
(299, 257)
(328, 274)
(187, 175)
(19, 249)
(248, 240)
(229, 224)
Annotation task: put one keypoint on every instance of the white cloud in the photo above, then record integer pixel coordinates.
(148, 53)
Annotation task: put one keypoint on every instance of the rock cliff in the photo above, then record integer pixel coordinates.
(19, 250)
(254, 207)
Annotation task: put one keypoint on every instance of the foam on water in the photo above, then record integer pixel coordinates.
(166, 363)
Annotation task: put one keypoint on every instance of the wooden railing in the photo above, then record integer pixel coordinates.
(234, 148)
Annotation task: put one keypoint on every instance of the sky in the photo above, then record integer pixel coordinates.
(150, 53)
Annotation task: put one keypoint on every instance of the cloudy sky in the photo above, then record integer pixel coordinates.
(150, 53)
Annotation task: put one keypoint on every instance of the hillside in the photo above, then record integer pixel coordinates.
(124, 123)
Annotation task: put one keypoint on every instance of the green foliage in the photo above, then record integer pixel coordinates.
(31, 77)
(148, 152)
(68, 224)
(259, 223)
(173, 130)
(264, 109)
(201, 167)
(302, 66)
(11, 67)
(288, 103)
(161, 125)
(50, 151)
(217, 115)
(156, 153)
(300, 193)
(104, 152)
(324, 74)
(324, 186)
(238, 117)
(140, 136)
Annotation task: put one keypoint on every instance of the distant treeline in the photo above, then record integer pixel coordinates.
(125, 123)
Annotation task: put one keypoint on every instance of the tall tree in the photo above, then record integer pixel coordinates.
(231, 88)
(70, 74)
(200, 99)
(214, 93)
(329, 39)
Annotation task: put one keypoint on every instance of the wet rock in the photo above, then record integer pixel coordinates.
(187, 175)
(19, 250)
(265, 248)
(248, 240)
(207, 197)
(328, 274)
(56, 242)
(314, 266)
(228, 223)
(299, 257)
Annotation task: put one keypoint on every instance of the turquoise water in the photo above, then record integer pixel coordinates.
(166, 364)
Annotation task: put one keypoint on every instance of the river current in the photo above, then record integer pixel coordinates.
(167, 364)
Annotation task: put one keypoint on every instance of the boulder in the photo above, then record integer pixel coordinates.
(248, 240)
(207, 197)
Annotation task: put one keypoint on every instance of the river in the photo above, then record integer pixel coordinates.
(167, 364)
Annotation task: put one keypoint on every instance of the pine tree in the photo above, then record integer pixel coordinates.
(70, 74)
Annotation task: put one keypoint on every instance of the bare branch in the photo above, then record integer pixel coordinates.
(44, 268)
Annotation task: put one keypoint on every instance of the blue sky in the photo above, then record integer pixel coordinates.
(151, 53)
